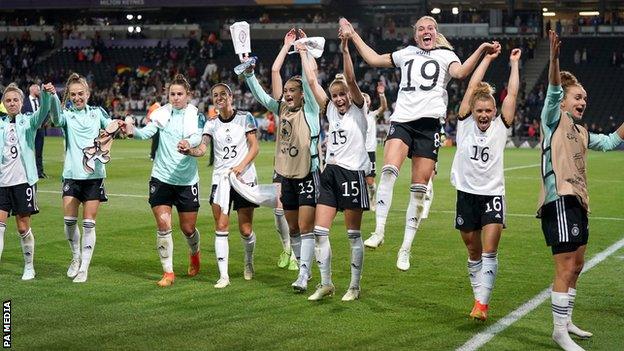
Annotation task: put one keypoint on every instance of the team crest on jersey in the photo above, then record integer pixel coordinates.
(285, 130)
(66, 188)
(575, 230)
(460, 220)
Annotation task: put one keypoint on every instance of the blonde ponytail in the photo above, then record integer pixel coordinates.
(483, 92)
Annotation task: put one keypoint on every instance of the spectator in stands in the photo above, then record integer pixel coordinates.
(577, 57)
(584, 56)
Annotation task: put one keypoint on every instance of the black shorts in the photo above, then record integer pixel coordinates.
(277, 178)
(20, 199)
(85, 189)
(184, 197)
(373, 160)
(300, 192)
(473, 211)
(343, 189)
(564, 224)
(235, 198)
(422, 136)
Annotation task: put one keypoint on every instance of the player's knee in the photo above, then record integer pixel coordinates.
(245, 229)
(187, 229)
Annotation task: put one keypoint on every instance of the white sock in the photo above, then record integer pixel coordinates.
(559, 303)
(72, 233)
(389, 174)
(249, 243)
(164, 246)
(27, 240)
(193, 242)
(571, 300)
(307, 251)
(282, 229)
(88, 243)
(488, 276)
(474, 273)
(412, 215)
(357, 256)
(2, 230)
(571, 327)
(323, 254)
(295, 244)
(222, 251)
(372, 188)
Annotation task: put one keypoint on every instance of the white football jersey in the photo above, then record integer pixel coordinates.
(230, 144)
(478, 163)
(346, 138)
(371, 131)
(424, 76)
(12, 171)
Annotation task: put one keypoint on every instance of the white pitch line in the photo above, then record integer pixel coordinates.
(402, 211)
(521, 167)
(485, 336)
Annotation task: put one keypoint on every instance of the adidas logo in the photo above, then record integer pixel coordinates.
(355, 201)
(88, 247)
(491, 272)
(355, 266)
(220, 259)
(498, 216)
(381, 203)
(413, 219)
(29, 205)
(309, 197)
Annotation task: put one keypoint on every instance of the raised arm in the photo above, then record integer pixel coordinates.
(259, 94)
(368, 54)
(383, 102)
(56, 112)
(45, 101)
(276, 77)
(551, 112)
(509, 103)
(354, 89)
(553, 69)
(477, 77)
(462, 70)
(306, 63)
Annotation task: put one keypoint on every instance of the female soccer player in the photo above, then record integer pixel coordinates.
(477, 174)
(81, 125)
(371, 139)
(174, 179)
(18, 169)
(236, 146)
(564, 202)
(288, 258)
(343, 185)
(426, 69)
(296, 160)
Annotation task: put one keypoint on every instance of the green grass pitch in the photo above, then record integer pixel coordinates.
(426, 308)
